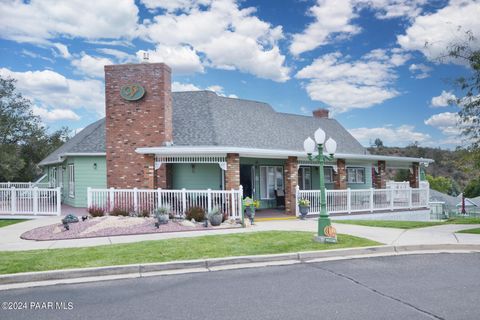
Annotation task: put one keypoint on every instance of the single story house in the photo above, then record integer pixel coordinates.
(154, 138)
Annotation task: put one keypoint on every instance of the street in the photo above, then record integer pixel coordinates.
(430, 286)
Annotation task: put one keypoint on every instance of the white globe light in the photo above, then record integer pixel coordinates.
(320, 136)
(331, 146)
(309, 145)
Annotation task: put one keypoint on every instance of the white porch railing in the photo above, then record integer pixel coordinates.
(9, 185)
(30, 201)
(179, 201)
(366, 200)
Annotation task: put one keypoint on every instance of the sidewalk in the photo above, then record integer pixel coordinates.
(445, 234)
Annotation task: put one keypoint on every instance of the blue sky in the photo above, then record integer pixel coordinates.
(366, 61)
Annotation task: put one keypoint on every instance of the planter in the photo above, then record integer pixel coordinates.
(215, 219)
(249, 212)
(163, 219)
(304, 211)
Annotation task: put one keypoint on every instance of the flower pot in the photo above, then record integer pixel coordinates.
(163, 219)
(249, 212)
(304, 211)
(215, 219)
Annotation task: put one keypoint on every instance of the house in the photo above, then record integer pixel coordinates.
(154, 138)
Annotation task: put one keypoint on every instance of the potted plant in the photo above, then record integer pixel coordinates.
(250, 206)
(162, 215)
(304, 206)
(215, 217)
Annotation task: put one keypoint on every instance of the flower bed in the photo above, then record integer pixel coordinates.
(113, 226)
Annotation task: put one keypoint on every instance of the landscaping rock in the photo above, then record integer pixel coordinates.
(70, 218)
(187, 223)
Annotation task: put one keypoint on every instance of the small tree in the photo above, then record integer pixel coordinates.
(378, 143)
(441, 184)
(472, 189)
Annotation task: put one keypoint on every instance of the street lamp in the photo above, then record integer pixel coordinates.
(326, 232)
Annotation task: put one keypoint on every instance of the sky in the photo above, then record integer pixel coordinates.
(375, 64)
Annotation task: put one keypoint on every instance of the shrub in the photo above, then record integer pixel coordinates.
(96, 211)
(304, 202)
(162, 211)
(145, 213)
(196, 213)
(119, 212)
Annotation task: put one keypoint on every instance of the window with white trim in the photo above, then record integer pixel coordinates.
(305, 178)
(328, 174)
(355, 175)
(271, 179)
(71, 180)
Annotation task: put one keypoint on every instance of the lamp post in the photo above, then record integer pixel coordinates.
(326, 232)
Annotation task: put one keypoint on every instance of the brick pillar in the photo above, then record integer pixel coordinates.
(149, 178)
(381, 177)
(414, 178)
(232, 175)
(291, 182)
(341, 176)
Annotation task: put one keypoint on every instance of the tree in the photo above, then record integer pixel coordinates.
(441, 184)
(402, 175)
(24, 140)
(472, 189)
(378, 143)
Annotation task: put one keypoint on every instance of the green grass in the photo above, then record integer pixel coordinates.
(214, 246)
(7, 222)
(409, 224)
(473, 231)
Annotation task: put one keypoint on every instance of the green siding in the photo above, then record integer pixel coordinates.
(198, 176)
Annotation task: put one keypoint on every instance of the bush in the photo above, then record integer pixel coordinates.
(145, 213)
(196, 213)
(119, 212)
(96, 211)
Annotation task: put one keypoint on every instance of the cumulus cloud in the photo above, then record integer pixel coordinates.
(51, 90)
(91, 66)
(387, 9)
(182, 59)
(393, 136)
(180, 86)
(233, 38)
(444, 99)
(55, 114)
(447, 122)
(345, 85)
(419, 71)
(432, 33)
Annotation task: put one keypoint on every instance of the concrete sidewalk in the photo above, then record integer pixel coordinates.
(445, 234)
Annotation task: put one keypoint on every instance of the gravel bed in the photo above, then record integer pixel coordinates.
(112, 226)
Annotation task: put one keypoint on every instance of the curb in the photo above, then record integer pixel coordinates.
(142, 270)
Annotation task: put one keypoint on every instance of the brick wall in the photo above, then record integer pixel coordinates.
(232, 175)
(341, 176)
(414, 176)
(132, 124)
(291, 182)
(381, 176)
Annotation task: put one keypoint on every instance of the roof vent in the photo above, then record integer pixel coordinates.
(321, 113)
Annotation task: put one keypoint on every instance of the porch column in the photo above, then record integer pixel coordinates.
(162, 176)
(148, 171)
(380, 178)
(414, 175)
(341, 176)
(291, 182)
(232, 175)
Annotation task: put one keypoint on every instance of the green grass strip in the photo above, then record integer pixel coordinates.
(7, 222)
(214, 246)
(391, 224)
(472, 231)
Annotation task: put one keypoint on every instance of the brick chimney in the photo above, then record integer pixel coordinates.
(320, 113)
(146, 122)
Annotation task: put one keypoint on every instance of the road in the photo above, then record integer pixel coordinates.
(432, 286)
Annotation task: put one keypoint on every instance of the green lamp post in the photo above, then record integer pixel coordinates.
(326, 232)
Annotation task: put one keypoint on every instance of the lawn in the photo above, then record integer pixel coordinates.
(409, 224)
(214, 246)
(473, 231)
(7, 222)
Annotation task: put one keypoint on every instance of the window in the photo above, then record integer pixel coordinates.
(71, 181)
(328, 174)
(271, 179)
(53, 177)
(356, 175)
(305, 178)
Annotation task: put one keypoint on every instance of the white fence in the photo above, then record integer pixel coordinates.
(179, 201)
(366, 200)
(9, 185)
(30, 201)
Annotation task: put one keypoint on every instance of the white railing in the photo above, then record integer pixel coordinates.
(179, 201)
(24, 185)
(366, 200)
(30, 201)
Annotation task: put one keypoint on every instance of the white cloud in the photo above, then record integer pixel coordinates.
(51, 90)
(419, 71)
(332, 17)
(182, 59)
(387, 9)
(174, 5)
(119, 55)
(393, 136)
(91, 66)
(232, 39)
(444, 99)
(55, 114)
(180, 86)
(432, 33)
(447, 122)
(345, 85)
(39, 21)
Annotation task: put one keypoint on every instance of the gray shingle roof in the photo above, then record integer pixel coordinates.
(202, 118)
(442, 197)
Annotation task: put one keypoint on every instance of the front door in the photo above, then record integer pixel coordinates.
(247, 180)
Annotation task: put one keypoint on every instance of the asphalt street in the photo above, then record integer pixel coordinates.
(432, 286)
